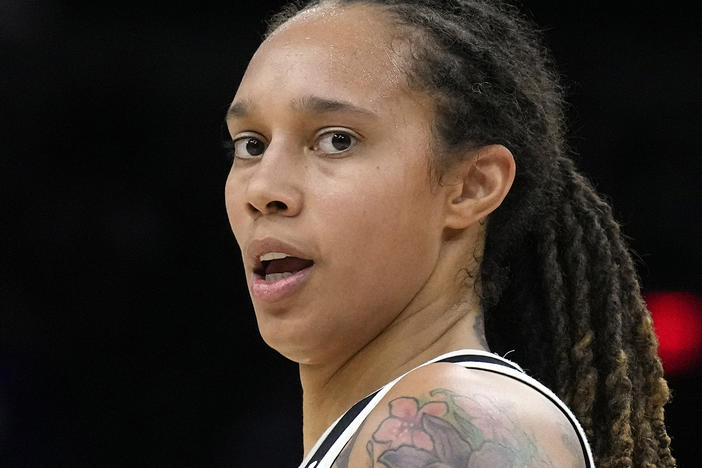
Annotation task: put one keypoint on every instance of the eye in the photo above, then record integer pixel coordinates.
(336, 141)
(247, 147)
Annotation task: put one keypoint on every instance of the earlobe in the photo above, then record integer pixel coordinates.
(479, 184)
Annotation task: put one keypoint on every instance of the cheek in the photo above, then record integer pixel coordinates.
(381, 234)
(233, 200)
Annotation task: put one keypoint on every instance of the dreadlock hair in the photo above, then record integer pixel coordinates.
(557, 283)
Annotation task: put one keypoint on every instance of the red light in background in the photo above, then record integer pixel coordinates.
(677, 320)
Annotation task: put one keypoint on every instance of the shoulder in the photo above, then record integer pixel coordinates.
(446, 415)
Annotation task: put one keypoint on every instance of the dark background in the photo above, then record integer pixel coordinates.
(126, 337)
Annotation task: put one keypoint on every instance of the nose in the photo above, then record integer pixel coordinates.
(275, 184)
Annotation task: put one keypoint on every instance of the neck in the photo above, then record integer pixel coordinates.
(331, 389)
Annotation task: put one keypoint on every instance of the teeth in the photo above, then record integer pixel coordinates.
(272, 256)
(276, 276)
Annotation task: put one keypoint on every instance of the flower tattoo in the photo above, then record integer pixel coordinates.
(450, 430)
(404, 425)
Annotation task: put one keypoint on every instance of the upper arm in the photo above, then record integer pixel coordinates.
(444, 415)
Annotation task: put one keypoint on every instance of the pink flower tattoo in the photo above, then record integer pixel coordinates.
(404, 425)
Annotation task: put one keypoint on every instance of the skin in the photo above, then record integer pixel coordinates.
(390, 245)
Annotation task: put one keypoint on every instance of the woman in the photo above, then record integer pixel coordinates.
(404, 204)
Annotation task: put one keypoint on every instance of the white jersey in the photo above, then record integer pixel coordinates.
(332, 442)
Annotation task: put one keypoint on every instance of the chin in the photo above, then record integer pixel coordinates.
(300, 348)
(291, 345)
(297, 354)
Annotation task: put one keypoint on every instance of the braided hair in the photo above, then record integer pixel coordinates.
(557, 283)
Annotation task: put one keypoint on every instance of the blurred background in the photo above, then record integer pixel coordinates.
(127, 338)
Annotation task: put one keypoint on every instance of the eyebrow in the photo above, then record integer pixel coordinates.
(314, 104)
(239, 110)
(309, 104)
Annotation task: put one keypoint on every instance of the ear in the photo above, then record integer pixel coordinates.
(477, 185)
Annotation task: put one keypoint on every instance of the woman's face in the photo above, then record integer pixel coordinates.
(331, 167)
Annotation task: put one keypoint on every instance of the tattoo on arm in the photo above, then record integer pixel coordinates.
(447, 429)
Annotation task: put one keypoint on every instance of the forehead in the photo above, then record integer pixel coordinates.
(350, 54)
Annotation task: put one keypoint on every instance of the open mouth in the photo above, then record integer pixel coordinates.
(275, 266)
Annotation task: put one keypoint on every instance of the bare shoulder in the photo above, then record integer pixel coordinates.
(443, 415)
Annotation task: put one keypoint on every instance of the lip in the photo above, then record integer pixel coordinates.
(258, 247)
(273, 291)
